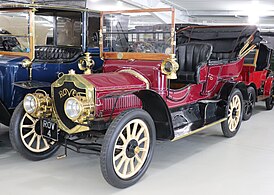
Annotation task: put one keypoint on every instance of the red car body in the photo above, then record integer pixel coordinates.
(114, 81)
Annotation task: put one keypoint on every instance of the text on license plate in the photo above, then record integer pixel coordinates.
(50, 129)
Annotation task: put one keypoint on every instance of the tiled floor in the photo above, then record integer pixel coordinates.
(205, 163)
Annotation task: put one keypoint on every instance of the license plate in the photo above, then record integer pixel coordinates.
(49, 129)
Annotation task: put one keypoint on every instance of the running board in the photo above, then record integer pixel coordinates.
(187, 133)
(262, 97)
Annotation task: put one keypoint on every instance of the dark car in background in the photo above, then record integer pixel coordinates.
(40, 41)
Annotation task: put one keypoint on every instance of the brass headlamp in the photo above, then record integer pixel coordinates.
(38, 104)
(79, 109)
(170, 67)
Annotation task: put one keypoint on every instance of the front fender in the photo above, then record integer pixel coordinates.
(154, 104)
(150, 101)
(4, 114)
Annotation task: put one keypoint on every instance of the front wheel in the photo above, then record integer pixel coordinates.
(250, 104)
(234, 113)
(128, 148)
(26, 138)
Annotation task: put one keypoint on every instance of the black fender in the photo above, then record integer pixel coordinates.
(5, 115)
(229, 86)
(155, 105)
(32, 84)
(255, 88)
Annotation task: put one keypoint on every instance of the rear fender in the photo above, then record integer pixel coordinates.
(229, 86)
(255, 88)
(242, 87)
(268, 86)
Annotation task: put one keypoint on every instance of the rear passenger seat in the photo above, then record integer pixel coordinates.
(222, 56)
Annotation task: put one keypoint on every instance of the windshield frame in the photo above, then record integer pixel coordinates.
(30, 35)
(136, 55)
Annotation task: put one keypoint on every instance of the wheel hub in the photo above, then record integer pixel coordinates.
(234, 113)
(137, 150)
(132, 148)
(250, 103)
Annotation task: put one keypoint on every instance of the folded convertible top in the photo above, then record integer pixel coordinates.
(223, 38)
(268, 39)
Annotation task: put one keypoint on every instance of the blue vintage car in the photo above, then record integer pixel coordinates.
(37, 43)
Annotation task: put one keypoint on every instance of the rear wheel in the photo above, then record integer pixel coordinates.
(128, 148)
(26, 138)
(249, 105)
(234, 113)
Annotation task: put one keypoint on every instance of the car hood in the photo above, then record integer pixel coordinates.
(104, 84)
(10, 59)
(115, 81)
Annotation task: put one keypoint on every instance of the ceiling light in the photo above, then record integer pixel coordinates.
(253, 18)
(254, 12)
(120, 3)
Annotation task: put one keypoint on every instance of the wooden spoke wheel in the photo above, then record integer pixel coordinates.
(128, 148)
(131, 149)
(31, 136)
(234, 114)
(26, 138)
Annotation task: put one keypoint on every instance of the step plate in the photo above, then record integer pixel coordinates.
(186, 131)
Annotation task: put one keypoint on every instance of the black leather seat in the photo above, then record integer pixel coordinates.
(191, 56)
(223, 56)
(52, 53)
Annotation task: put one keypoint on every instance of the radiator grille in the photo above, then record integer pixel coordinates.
(129, 101)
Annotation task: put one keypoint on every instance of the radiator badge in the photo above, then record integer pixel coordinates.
(65, 91)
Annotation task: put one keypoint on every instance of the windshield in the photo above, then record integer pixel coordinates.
(14, 31)
(141, 32)
(58, 29)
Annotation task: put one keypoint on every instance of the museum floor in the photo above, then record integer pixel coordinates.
(205, 163)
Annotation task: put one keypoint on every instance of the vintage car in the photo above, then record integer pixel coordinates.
(258, 76)
(38, 42)
(143, 94)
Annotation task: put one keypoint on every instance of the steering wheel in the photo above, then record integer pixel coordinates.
(142, 47)
(6, 45)
(10, 44)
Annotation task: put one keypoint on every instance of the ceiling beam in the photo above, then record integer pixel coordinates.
(223, 13)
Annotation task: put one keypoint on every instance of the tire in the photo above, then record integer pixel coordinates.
(129, 165)
(250, 104)
(24, 136)
(234, 113)
(269, 101)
